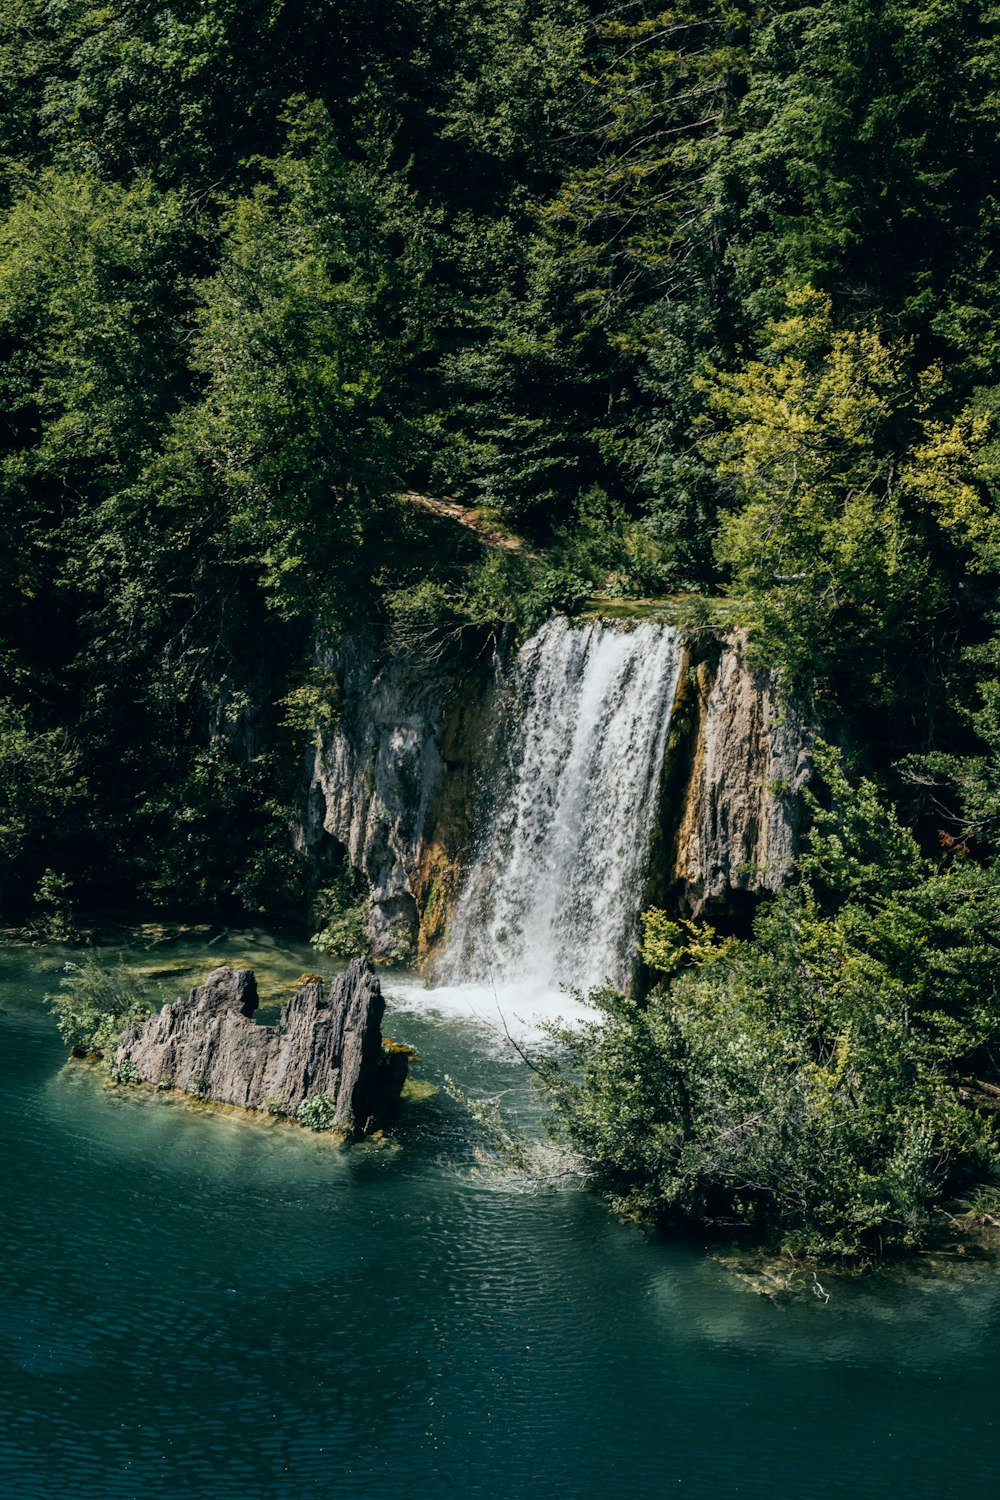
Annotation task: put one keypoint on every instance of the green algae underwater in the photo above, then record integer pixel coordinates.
(200, 1304)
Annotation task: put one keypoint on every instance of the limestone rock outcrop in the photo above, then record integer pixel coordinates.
(390, 784)
(741, 810)
(327, 1041)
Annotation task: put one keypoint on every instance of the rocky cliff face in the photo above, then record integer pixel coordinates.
(393, 787)
(327, 1041)
(390, 786)
(739, 811)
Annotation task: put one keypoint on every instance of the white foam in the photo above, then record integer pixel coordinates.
(520, 1011)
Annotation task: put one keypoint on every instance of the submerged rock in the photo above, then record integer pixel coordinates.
(327, 1042)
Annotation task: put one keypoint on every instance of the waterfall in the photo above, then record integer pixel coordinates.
(553, 890)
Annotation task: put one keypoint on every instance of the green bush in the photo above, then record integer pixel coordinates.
(803, 1081)
(341, 912)
(97, 1004)
(314, 705)
(53, 900)
(317, 1112)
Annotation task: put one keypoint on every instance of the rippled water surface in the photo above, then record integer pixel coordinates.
(197, 1306)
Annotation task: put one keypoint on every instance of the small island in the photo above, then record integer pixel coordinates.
(325, 1062)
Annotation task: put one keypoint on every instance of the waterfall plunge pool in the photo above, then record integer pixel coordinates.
(220, 1309)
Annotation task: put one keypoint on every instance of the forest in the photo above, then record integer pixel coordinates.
(698, 302)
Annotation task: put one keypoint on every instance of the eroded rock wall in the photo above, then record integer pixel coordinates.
(390, 785)
(739, 812)
(394, 786)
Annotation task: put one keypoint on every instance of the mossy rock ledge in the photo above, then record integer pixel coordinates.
(327, 1042)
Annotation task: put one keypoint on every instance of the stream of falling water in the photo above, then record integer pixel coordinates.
(553, 891)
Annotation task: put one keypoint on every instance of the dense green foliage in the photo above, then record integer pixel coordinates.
(698, 297)
(341, 909)
(317, 1112)
(814, 1081)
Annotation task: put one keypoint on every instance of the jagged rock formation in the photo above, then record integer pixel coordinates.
(327, 1041)
(741, 808)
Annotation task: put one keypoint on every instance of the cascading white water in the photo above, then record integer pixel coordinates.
(553, 891)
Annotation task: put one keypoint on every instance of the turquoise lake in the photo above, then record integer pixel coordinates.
(200, 1306)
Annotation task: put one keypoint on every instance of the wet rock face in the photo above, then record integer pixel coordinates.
(742, 809)
(328, 1040)
(392, 780)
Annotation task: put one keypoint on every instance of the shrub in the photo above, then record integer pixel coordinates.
(315, 704)
(803, 1081)
(317, 1112)
(96, 1005)
(54, 901)
(341, 911)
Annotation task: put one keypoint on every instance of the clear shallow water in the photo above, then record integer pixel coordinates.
(196, 1306)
